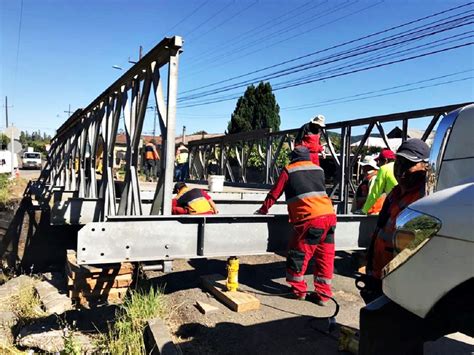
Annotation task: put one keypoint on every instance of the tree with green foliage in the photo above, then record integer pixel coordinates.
(256, 109)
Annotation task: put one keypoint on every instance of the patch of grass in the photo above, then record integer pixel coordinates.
(125, 336)
(71, 345)
(26, 304)
(4, 190)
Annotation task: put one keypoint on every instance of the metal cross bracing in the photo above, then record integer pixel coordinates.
(71, 162)
(229, 155)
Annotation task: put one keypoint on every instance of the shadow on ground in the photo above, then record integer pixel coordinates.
(32, 244)
(297, 335)
(256, 276)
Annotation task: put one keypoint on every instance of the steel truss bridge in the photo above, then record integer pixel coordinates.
(124, 221)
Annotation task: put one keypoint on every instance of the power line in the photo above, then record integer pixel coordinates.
(327, 72)
(208, 19)
(270, 23)
(344, 73)
(225, 21)
(188, 16)
(286, 31)
(333, 47)
(356, 96)
(383, 56)
(17, 58)
(449, 25)
(261, 39)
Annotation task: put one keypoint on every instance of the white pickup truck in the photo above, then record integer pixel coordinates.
(31, 160)
(429, 286)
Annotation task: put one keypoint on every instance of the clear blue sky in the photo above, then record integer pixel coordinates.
(63, 51)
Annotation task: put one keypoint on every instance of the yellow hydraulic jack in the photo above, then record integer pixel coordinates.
(232, 274)
(349, 340)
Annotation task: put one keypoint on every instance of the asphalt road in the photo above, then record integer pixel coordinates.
(29, 174)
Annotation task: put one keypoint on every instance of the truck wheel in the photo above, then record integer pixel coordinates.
(454, 312)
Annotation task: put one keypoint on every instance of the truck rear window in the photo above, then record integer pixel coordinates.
(32, 156)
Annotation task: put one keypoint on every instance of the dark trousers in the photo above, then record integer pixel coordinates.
(150, 169)
(181, 172)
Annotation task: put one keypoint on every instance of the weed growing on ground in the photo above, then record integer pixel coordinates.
(125, 336)
(4, 190)
(26, 304)
(71, 345)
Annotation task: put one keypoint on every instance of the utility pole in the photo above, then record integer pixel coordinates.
(12, 154)
(184, 135)
(68, 111)
(140, 55)
(154, 122)
(6, 110)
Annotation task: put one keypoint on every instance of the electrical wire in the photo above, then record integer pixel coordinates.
(188, 15)
(446, 26)
(334, 72)
(259, 40)
(261, 47)
(386, 94)
(224, 21)
(334, 47)
(344, 73)
(241, 37)
(208, 19)
(17, 57)
(316, 104)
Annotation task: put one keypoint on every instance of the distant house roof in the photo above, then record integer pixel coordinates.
(380, 143)
(411, 133)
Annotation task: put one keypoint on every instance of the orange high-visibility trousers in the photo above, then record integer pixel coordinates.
(312, 239)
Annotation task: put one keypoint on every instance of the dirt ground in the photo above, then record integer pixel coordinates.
(280, 326)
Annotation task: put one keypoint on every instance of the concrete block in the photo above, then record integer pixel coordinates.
(53, 301)
(158, 339)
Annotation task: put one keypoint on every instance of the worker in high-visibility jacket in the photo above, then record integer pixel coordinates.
(191, 201)
(411, 166)
(151, 160)
(182, 165)
(384, 182)
(369, 169)
(311, 212)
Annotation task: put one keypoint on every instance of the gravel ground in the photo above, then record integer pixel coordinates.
(281, 325)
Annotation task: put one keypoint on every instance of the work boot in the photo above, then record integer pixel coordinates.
(294, 296)
(314, 298)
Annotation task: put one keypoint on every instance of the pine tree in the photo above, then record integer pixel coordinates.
(257, 109)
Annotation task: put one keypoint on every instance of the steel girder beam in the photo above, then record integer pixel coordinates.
(151, 238)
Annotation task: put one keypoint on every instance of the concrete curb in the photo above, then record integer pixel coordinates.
(158, 339)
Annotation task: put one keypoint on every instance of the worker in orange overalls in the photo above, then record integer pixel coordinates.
(311, 212)
(191, 201)
(151, 160)
(410, 171)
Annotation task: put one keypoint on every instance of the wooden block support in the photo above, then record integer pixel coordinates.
(206, 308)
(89, 284)
(235, 300)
